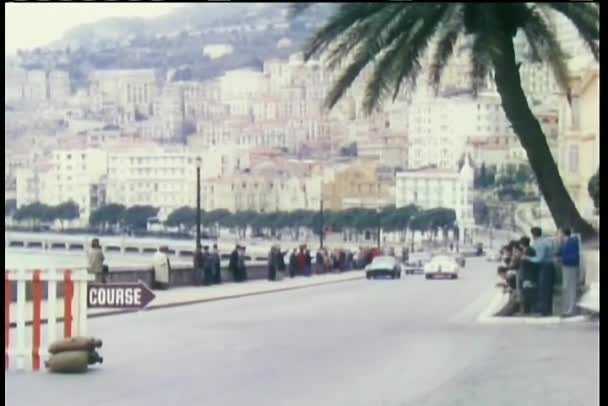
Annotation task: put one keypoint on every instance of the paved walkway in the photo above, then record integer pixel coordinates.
(198, 294)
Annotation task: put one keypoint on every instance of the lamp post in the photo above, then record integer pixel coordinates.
(198, 253)
(378, 225)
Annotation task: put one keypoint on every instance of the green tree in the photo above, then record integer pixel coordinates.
(105, 216)
(67, 211)
(395, 38)
(10, 207)
(594, 189)
(35, 212)
(182, 217)
(136, 217)
(480, 212)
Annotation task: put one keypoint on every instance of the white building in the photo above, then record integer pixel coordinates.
(152, 175)
(439, 126)
(15, 80)
(35, 89)
(134, 89)
(78, 175)
(432, 188)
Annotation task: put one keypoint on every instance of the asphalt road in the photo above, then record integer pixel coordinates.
(368, 343)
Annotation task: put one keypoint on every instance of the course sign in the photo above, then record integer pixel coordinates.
(118, 296)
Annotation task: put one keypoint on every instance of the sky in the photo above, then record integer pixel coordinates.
(31, 25)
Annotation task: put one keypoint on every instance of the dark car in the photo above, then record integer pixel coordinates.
(383, 266)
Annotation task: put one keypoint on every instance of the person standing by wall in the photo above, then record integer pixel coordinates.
(233, 264)
(569, 257)
(242, 268)
(207, 267)
(544, 259)
(162, 269)
(529, 276)
(281, 262)
(95, 260)
(307, 263)
(272, 264)
(217, 265)
(320, 262)
(293, 263)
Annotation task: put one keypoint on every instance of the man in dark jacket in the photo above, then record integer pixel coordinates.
(529, 276)
(242, 267)
(272, 264)
(293, 264)
(320, 262)
(233, 264)
(307, 263)
(217, 265)
(207, 267)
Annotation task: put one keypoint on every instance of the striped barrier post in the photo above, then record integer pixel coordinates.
(74, 312)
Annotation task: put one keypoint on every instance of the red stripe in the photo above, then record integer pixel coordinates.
(7, 316)
(37, 297)
(68, 294)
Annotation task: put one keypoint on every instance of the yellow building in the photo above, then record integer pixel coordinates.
(579, 134)
(356, 184)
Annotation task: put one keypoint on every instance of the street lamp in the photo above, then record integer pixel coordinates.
(378, 224)
(198, 254)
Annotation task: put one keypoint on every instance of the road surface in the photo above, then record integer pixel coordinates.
(368, 343)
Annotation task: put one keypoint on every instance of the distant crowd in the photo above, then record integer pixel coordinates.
(530, 268)
(207, 263)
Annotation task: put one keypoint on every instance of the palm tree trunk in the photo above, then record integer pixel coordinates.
(533, 140)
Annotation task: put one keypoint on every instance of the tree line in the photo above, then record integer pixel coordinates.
(268, 224)
(355, 220)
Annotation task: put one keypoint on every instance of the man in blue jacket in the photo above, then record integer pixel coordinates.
(568, 256)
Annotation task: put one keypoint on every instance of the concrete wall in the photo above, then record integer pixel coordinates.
(591, 266)
(179, 277)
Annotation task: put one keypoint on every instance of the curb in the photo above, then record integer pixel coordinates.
(553, 320)
(488, 317)
(199, 301)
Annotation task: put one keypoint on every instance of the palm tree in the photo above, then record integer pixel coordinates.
(394, 38)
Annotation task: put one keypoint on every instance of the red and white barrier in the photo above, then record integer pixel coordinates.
(74, 304)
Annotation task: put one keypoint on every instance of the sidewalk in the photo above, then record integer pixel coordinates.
(500, 300)
(199, 294)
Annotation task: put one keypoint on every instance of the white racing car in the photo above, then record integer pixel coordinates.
(442, 266)
(383, 266)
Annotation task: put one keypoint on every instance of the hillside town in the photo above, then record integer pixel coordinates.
(133, 137)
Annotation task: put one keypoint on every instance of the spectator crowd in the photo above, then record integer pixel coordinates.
(533, 267)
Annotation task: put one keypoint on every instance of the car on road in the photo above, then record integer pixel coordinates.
(442, 266)
(415, 263)
(383, 266)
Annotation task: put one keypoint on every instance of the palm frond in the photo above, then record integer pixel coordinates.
(586, 19)
(549, 49)
(391, 41)
(373, 44)
(418, 42)
(296, 9)
(481, 63)
(449, 34)
(355, 35)
(347, 16)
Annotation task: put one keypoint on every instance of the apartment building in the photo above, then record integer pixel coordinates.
(579, 149)
(429, 188)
